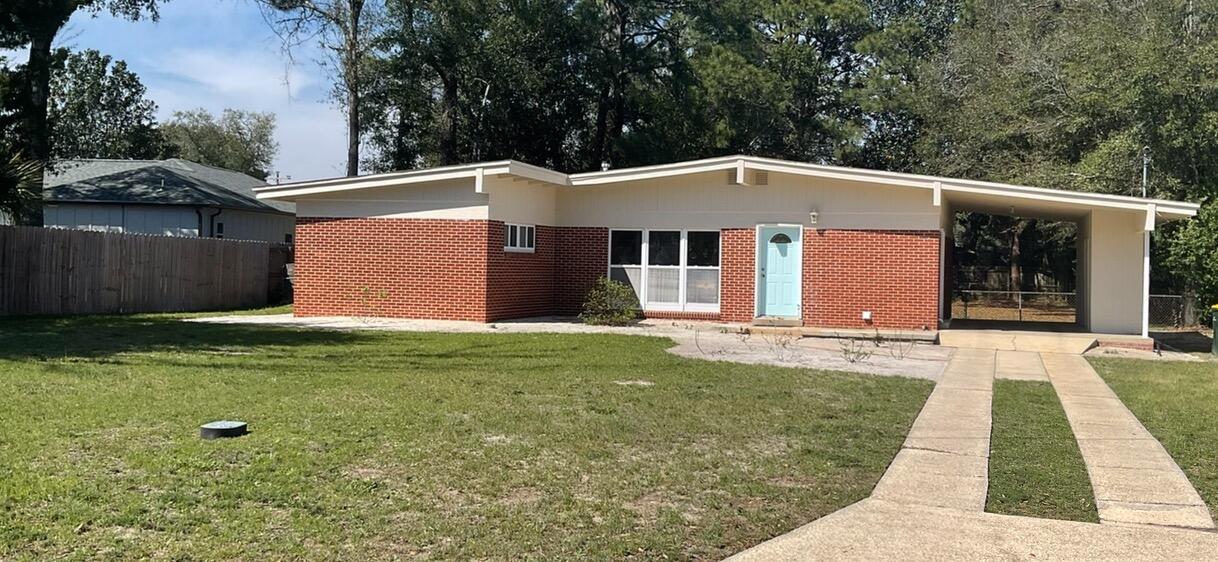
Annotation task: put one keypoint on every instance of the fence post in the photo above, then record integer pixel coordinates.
(1188, 312)
(1019, 299)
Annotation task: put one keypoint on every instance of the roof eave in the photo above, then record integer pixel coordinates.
(464, 171)
(1165, 209)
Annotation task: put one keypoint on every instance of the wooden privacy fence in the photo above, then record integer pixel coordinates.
(59, 271)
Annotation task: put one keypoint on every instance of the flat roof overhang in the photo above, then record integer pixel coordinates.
(961, 194)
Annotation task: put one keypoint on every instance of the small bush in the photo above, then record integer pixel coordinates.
(610, 303)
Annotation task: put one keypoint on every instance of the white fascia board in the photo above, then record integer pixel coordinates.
(538, 173)
(297, 189)
(1174, 208)
(654, 172)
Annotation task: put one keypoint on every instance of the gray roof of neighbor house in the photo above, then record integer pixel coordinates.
(155, 182)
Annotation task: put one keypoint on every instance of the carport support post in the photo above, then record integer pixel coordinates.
(1145, 283)
(1147, 228)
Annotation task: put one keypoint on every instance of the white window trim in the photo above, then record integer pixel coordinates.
(518, 248)
(681, 305)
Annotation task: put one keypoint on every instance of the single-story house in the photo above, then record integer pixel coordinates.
(735, 239)
(171, 197)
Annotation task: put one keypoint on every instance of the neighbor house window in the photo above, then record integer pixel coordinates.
(519, 237)
(219, 229)
(671, 270)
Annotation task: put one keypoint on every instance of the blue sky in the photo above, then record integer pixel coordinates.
(221, 53)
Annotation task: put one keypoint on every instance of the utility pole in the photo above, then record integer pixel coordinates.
(1145, 169)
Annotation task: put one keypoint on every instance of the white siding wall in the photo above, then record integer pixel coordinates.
(453, 199)
(1114, 274)
(707, 201)
(522, 202)
(699, 201)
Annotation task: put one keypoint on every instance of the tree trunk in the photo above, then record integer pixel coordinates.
(353, 130)
(616, 121)
(597, 152)
(618, 116)
(37, 130)
(352, 79)
(448, 120)
(1016, 272)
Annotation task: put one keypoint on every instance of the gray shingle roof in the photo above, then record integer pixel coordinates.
(155, 182)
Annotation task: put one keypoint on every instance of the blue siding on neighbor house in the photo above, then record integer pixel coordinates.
(169, 221)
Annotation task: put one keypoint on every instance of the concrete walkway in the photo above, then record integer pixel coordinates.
(930, 503)
(879, 530)
(1134, 478)
(945, 459)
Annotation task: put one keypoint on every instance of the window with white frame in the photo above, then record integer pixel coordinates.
(626, 259)
(519, 237)
(675, 270)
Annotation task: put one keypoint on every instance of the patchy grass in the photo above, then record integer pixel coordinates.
(1036, 468)
(1177, 401)
(377, 446)
(264, 311)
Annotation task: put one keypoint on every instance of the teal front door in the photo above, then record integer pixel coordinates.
(778, 271)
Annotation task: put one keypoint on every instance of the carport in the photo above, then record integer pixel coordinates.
(1112, 279)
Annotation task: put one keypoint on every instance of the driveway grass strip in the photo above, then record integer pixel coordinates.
(1036, 469)
(1177, 401)
(370, 445)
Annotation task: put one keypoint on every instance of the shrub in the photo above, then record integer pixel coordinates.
(610, 303)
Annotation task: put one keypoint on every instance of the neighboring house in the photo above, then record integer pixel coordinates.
(735, 239)
(173, 197)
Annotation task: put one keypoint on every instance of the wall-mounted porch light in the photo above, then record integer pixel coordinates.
(812, 216)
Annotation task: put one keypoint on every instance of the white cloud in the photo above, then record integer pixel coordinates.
(252, 75)
(216, 55)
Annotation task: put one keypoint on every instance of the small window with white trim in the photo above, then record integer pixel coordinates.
(519, 237)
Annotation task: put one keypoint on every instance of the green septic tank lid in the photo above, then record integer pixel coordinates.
(223, 428)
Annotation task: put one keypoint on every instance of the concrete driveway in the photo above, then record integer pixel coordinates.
(930, 503)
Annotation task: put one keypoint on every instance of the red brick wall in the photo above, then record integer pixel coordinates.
(737, 274)
(581, 256)
(458, 270)
(520, 284)
(892, 273)
(424, 268)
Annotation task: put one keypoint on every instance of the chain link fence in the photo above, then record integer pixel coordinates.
(1021, 306)
(1175, 312)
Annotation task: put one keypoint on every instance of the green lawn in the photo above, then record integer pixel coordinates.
(374, 446)
(1036, 469)
(1178, 403)
(265, 311)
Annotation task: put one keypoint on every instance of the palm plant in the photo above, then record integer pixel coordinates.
(20, 183)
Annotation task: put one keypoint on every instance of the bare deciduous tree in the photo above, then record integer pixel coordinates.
(345, 29)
